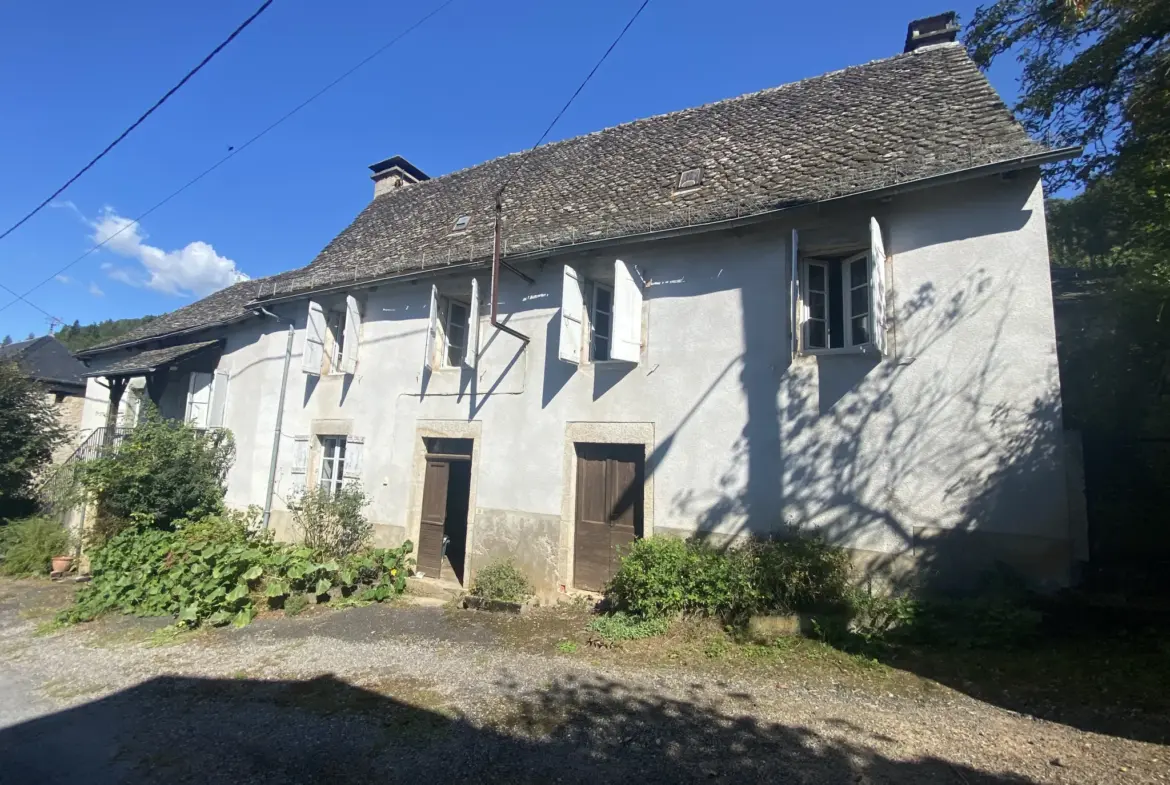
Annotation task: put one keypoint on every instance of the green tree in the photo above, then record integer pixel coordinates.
(7, 340)
(78, 337)
(29, 431)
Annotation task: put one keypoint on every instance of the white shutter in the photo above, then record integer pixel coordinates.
(198, 398)
(219, 391)
(572, 316)
(353, 456)
(314, 339)
(794, 312)
(627, 315)
(432, 330)
(351, 335)
(877, 260)
(300, 454)
(472, 353)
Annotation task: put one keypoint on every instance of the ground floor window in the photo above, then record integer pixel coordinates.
(332, 462)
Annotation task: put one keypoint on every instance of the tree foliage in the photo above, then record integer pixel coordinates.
(164, 471)
(78, 337)
(29, 431)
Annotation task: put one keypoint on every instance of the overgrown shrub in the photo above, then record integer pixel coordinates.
(501, 581)
(27, 546)
(614, 627)
(164, 471)
(665, 576)
(215, 571)
(332, 522)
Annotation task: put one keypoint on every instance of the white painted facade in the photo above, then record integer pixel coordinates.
(945, 451)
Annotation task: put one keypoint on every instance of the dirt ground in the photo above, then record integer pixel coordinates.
(402, 692)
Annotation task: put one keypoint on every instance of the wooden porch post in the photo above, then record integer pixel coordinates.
(117, 387)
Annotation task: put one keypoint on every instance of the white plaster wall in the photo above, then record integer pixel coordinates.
(959, 429)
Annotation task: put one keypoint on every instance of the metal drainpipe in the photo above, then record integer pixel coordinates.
(279, 419)
(496, 275)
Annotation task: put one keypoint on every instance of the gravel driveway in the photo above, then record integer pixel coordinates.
(392, 694)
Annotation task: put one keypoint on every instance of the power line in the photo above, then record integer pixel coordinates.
(577, 92)
(139, 121)
(235, 151)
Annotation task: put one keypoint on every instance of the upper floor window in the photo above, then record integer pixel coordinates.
(601, 320)
(839, 299)
(336, 331)
(455, 333)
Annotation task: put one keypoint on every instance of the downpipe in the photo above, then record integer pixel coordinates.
(271, 487)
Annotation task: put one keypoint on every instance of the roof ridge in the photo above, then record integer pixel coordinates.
(679, 112)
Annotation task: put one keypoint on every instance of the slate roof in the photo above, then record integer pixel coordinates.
(45, 359)
(147, 361)
(891, 121)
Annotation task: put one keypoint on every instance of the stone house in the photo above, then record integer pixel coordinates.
(824, 306)
(47, 361)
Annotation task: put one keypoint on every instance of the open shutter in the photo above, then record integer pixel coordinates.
(219, 391)
(198, 398)
(354, 447)
(300, 468)
(314, 339)
(572, 316)
(352, 331)
(877, 260)
(432, 330)
(627, 315)
(471, 354)
(794, 312)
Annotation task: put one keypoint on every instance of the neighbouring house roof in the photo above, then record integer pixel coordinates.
(905, 118)
(148, 361)
(46, 360)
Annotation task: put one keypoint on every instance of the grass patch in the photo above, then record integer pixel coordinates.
(616, 627)
(295, 605)
(50, 626)
(567, 647)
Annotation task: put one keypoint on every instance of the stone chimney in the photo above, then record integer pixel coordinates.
(941, 29)
(395, 172)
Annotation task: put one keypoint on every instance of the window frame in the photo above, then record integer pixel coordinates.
(462, 325)
(335, 335)
(332, 454)
(595, 287)
(844, 297)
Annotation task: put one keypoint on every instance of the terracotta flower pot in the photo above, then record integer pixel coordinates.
(61, 564)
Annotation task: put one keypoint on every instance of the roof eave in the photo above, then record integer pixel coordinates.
(86, 354)
(958, 175)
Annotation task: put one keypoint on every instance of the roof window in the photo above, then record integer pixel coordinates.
(691, 178)
(461, 223)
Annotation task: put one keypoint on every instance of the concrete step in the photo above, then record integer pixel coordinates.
(435, 589)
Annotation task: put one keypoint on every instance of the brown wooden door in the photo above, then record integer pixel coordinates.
(434, 515)
(609, 510)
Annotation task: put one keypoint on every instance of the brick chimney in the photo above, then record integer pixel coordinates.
(393, 173)
(940, 29)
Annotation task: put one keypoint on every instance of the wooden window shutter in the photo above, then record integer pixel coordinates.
(354, 449)
(471, 354)
(219, 392)
(794, 311)
(878, 288)
(300, 463)
(432, 331)
(352, 335)
(198, 398)
(626, 343)
(572, 316)
(314, 339)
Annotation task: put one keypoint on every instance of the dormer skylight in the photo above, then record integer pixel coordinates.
(461, 223)
(691, 178)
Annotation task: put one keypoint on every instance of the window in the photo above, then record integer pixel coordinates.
(455, 333)
(838, 312)
(332, 462)
(335, 326)
(461, 223)
(691, 178)
(198, 399)
(601, 322)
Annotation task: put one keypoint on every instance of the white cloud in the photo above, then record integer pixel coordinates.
(193, 269)
(96, 290)
(65, 279)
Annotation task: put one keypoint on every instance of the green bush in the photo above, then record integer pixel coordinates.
(621, 626)
(665, 576)
(501, 581)
(332, 522)
(163, 472)
(29, 432)
(27, 546)
(214, 571)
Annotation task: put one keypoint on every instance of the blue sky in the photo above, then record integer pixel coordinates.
(479, 80)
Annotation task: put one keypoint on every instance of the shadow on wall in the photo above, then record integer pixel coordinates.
(325, 731)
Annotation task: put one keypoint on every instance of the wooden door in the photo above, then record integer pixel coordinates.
(434, 515)
(609, 510)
